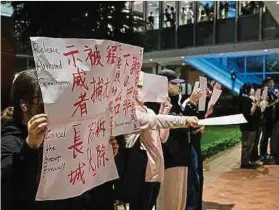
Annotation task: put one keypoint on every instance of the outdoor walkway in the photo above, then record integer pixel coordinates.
(227, 187)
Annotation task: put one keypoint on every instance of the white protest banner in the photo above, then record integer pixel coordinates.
(203, 87)
(196, 86)
(258, 95)
(226, 120)
(88, 88)
(214, 97)
(265, 93)
(155, 88)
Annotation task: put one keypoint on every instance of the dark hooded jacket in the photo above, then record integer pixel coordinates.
(20, 175)
(176, 149)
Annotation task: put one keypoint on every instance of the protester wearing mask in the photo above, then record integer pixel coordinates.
(251, 111)
(176, 150)
(21, 149)
(274, 142)
(269, 115)
(255, 157)
(153, 131)
(195, 175)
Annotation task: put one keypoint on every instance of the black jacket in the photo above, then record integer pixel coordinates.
(245, 105)
(20, 175)
(176, 149)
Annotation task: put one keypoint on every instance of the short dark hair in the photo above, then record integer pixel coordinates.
(246, 88)
(24, 87)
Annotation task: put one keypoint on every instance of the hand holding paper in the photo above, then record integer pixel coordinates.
(203, 86)
(226, 120)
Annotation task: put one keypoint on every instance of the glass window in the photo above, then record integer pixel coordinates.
(153, 15)
(169, 14)
(186, 12)
(138, 14)
(138, 7)
(205, 11)
(249, 7)
(272, 63)
(227, 9)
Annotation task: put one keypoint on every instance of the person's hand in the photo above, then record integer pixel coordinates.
(37, 127)
(194, 98)
(115, 146)
(201, 129)
(192, 122)
(209, 111)
(165, 106)
(208, 92)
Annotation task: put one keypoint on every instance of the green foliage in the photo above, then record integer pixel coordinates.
(220, 145)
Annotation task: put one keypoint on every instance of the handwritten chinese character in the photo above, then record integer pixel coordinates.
(101, 156)
(119, 62)
(94, 56)
(135, 65)
(126, 80)
(105, 92)
(111, 56)
(111, 125)
(111, 106)
(97, 89)
(92, 166)
(114, 90)
(81, 105)
(77, 145)
(79, 79)
(95, 128)
(77, 175)
(126, 61)
(117, 76)
(72, 53)
(117, 104)
(127, 103)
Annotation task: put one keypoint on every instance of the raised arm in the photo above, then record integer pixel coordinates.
(159, 121)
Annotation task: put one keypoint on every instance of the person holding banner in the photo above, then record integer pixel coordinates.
(21, 149)
(195, 175)
(251, 111)
(270, 115)
(176, 149)
(153, 131)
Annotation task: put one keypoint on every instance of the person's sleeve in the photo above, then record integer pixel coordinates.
(15, 160)
(246, 107)
(160, 121)
(164, 133)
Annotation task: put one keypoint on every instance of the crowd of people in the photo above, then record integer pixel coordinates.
(262, 113)
(163, 157)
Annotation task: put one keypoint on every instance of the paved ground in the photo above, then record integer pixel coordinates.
(227, 187)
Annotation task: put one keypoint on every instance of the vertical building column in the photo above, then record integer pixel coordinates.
(160, 23)
(215, 21)
(261, 24)
(236, 21)
(145, 15)
(195, 22)
(245, 67)
(177, 8)
(264, 67)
